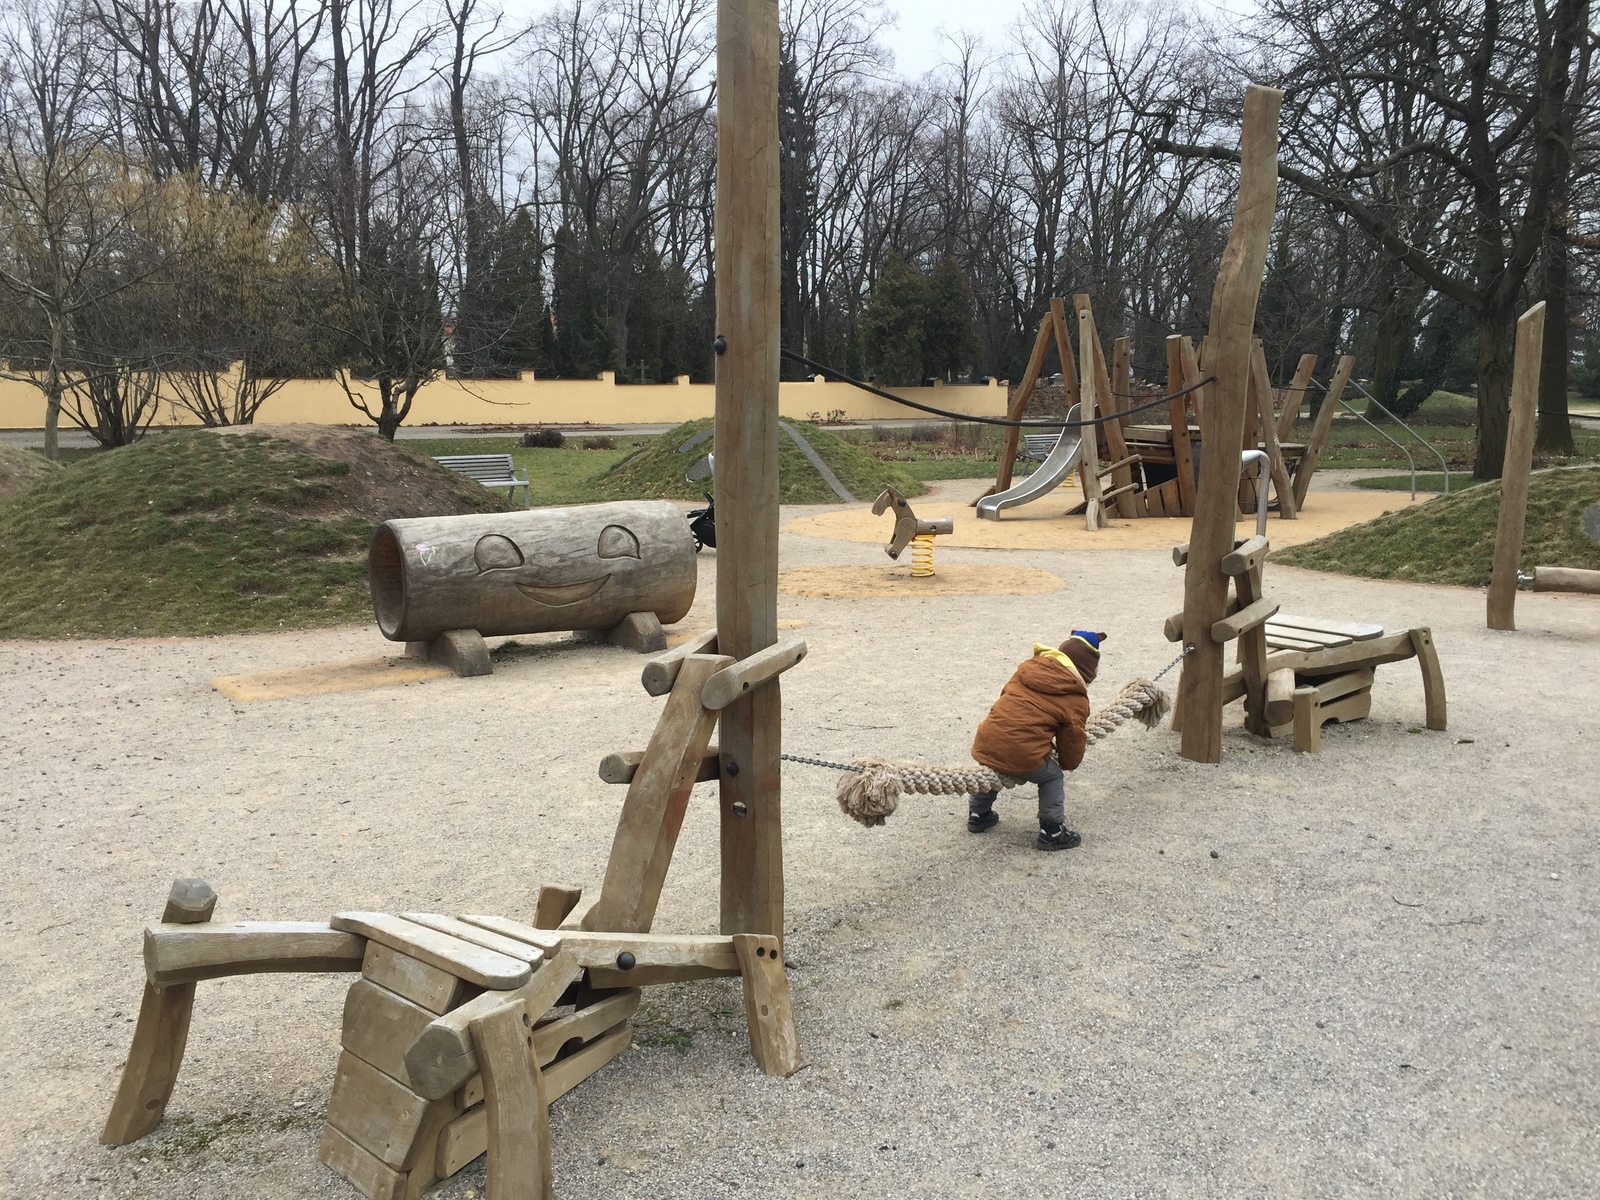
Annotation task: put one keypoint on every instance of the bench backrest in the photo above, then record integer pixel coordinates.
(478, 466)
(1039, 445)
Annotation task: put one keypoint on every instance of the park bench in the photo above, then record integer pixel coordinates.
(1037, 446)
(491, 470)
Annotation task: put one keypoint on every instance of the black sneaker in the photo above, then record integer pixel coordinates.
(982, 822)
(1057, 837)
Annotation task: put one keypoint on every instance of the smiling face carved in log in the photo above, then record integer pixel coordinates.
(538, 571)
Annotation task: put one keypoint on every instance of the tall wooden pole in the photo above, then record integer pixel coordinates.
(1222, 420)
(746, 232)
(1518, 461)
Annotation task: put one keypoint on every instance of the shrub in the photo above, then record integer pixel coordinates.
(603, 442)
(544, 438)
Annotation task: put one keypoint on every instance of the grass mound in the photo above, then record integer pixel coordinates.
(1451, 539)
(20, 468)
(212, 531)
(657, 471)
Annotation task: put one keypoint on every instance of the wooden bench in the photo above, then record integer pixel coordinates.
(491, 470)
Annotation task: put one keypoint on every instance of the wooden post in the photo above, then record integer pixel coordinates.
(1294, 395)
(1233, 314)
(1182, 452)
(162, 1031)
(1030, 377)
(1094, 506)
(515, 1104)
(1261, 389)
(746, 234)
(1122, 377)
(1069, 364)
(1106, 402)
(1319, 429)
(1514, 470)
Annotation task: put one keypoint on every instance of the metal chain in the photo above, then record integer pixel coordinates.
(838, 766)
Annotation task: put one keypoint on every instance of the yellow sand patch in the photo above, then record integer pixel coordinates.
(351, 676)
(956, 579)
(1041, 525)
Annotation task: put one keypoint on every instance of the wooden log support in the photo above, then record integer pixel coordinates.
(728, 684)
(516, 1110)
(748, 311)
(1294, 395)
(1319, 429)
(1090, 350)
(661, 672)
(657, 800)
(1251, 616)
(774, 1042)
(1248, 555)
(1178, 413)
(1566, 579)
(1515, 468)
(1250, 595)
(1433, 697)
(557, 902)
(1019, 404)
(623, 765)
(151, 1069)
(1094, 506)
(1122, 379)
(1233, 307)
(1280, 698)
(1261, 390)
(180, 953)
(442, 1057)
(1062, 332)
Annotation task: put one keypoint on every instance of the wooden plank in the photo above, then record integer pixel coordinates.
(1343, 685)
(1106, 402)
(661, 672)
(622, 766)
(473, 963)
(657, 800)
(1310, 717)
(364, 1171)
(1233, 307)
(422, 984)
(1122, 379)
(1019, 402)
(178, 953)
(479, 936)
(1328, 659)
(376, 1112)
(1319, 429)
(566, 1035)
(150, 1071)
(1304, 637)
(1294, 395)
(516, 1107)
(1356, 630)
(1280, 698)
(1261, 390)
(1432, 678)
(1094, 507)
(1279, 641)
(379, 1026)
(548, 940)
(442, 1058)
(612, 977)
(463, 1140)
(567, 1073)
(774, 1041)
(1249, 617)
(1518, 462)
(1250, 593)
(1061, 331)
(1246, 556)
(555, 901)
(736, 680)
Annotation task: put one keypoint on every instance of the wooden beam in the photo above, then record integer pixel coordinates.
(555, 901)
(177, 953)
(1105, 403)
(516, 1108)
(661, 672)
(473, 963)
(1319, 429)
(1122, 379)
(1294, 395)
(1261, 390)
(622, 765)
(1433, 697)
(1094, 505)
(1247, 618)
(747, 273)
(1178, 413)
(774, 1043)
(1019, 404)
(1233, 309)
(739, 678)
(162, 1031)
(1515, 468)
(1566, 579)
(1246, 556)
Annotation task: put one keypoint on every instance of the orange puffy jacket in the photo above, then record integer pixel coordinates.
(1043, 708)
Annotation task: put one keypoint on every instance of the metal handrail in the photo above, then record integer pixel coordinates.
(1371, 399)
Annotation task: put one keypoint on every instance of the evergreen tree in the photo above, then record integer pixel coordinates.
(949, 325)
(892, 325)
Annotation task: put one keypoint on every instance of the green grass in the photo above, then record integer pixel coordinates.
(1451, 539)
(567, 475)
(657, 471)
(195, 533)
(1426, 482)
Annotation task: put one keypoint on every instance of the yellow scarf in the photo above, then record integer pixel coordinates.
(1040, 650)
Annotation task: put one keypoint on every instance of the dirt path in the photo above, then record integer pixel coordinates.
(1381, 984)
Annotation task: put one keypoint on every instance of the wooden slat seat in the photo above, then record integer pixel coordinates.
(491, 470)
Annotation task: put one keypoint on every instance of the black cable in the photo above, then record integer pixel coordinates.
(955, 416)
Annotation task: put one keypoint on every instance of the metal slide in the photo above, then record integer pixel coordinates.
(1052, 473)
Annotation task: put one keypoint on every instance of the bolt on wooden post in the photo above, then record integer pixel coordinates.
(746, 230)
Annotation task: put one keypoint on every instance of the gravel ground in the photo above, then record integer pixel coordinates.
(1370, 972)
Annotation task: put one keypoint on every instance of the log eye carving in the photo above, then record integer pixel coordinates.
(617, 542)
(496, 552)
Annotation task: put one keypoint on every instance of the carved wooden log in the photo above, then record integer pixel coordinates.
(538, 571)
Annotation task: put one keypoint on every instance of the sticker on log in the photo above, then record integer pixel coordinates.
(540, 571)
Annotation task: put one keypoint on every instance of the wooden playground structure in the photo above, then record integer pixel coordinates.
(1147, 467)
(461, 1030)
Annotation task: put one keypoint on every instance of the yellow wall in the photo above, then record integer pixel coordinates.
(529, 401)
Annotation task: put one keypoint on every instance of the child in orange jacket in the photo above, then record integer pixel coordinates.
(1035, 729)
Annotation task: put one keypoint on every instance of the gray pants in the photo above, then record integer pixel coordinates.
(1052, 794)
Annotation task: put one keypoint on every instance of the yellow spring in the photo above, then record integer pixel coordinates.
(922, 556)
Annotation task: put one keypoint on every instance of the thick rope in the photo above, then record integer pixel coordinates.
(870, 789)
